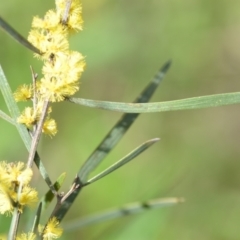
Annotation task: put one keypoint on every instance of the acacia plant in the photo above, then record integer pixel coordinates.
(59, 81)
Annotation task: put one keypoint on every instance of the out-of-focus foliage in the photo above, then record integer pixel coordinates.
(125, 42)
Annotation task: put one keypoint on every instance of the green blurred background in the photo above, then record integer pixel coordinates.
(125, 43)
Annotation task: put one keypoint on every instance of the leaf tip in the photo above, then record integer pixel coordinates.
(156, 139)
(166, 66)
(180, 200)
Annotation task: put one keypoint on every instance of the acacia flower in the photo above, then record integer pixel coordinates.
(11, 175)
(23, 93)
(74, 21)
(50, 21)
(49, 43)
(6, 203)
(29, 117)
(52, 230)
(50, 127)
(25, 176)
(26, 236)
(28, 197)
(4, 176)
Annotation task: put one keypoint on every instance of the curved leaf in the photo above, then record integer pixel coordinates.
(37, 218)
(183, 104)
(124, 160)
(126, 210)
(4, 116)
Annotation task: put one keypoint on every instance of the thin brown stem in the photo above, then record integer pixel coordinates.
(34, 79)
(37, 135)
(34, 99)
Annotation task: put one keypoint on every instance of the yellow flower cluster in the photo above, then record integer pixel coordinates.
(27, 236)
(11, 175)
(51, 231)
(62, 67)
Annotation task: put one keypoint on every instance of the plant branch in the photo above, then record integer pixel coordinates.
(37, 135)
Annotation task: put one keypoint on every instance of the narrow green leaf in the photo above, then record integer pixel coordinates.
(183, 104)
(4, 116)
(48, 197)
(120, 128)
(37, 218)
(124, 160)
(15, 113)
(18, 37)
(13, 108)
(126, 210)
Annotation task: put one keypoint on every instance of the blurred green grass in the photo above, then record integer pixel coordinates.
(198, 156)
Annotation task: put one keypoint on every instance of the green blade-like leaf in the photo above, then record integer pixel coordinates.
(13, 108)
(15, 113)
(4, 116)
(183, 104)
(126, 210)
(18, 37)
(37, 218)
(120, 128)
(48, 197)
(111, 139)
(124, 160)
